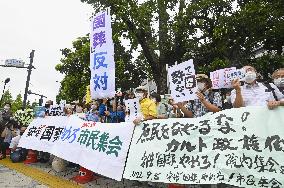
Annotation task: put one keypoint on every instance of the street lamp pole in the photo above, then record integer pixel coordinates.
(30, 67)
(5, 82)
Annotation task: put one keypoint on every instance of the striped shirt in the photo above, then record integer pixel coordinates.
(254, 95)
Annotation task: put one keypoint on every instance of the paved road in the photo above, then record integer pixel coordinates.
(12, 179)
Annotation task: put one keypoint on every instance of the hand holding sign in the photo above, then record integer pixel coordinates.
(236, 84)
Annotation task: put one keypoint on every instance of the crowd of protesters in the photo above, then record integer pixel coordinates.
(249, 92)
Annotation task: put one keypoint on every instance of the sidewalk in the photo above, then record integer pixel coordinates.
(13, 179)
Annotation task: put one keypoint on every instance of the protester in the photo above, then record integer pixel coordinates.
(116, 113)
(173, 109)
(253, 93)
(147, 106)
(162, 108)
(93, 113)
(227, 102)
(6, 137)
(17, 154)
(278, 79)
(7, 113)
(47, 106)
(79, 108)
(208, 100)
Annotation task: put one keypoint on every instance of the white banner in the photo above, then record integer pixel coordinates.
(182, 81)
(220, 78)
(242, 147)
(102, 65)
(99, 147)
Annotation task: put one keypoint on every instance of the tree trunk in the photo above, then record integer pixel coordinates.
(160, 78)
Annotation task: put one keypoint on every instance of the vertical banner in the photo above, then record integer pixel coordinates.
(182, 81)
(102, 65)
(132, 110)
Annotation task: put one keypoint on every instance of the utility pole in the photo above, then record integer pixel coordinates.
(30, 67)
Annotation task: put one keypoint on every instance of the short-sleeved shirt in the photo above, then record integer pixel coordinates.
(148, 107)
(198, 109)
(255, 95)
(15, 141)
(162, 109)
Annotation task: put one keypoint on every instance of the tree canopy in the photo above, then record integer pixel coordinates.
(215, 33)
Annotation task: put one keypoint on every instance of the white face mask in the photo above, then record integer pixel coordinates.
(250, 77)
(139, 95)
(154, 100)
(279, 82)
(228, 98)
(200, 86)
(6, 108)
(93, 107)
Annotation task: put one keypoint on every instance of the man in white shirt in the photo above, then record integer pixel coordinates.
(252, 93)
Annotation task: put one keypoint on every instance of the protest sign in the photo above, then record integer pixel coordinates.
(56, 110)
(182, 81)
(219, 78)
(236, 74)
(102, 83)
(39, 111)
(132, 110)
(242, 147)
(99, 147)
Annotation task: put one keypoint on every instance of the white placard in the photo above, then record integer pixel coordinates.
(183, 81)
(132, 110)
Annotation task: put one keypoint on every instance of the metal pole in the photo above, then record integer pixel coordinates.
(3, 94)
(30, 67)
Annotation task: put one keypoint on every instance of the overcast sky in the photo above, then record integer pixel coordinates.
(46, 27)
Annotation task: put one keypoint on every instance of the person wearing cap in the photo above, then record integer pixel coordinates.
(254, 93)
(147, 106)
(208, 101)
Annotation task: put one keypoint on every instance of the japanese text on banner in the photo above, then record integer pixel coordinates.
(242, 147)
(102, 83)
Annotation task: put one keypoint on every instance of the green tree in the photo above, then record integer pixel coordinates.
(75, 65)
(6, 98)
(209, 31)
(17, 103)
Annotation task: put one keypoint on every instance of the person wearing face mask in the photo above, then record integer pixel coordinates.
(208, 100)
(252, 93)
(278, 79)
(162, 108)
(7, 113)
(93, 114)
(147, 106)
(18, 154)
(227, 103)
